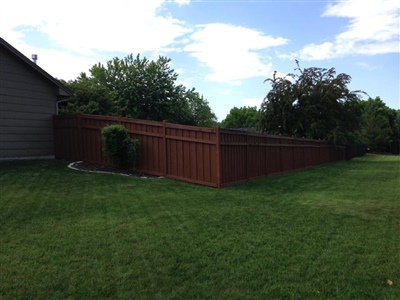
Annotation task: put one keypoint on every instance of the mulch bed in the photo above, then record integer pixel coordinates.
(84, 166)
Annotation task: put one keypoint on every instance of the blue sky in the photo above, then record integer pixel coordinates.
(225, 49)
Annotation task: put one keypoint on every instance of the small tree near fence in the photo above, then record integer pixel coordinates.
(119, 148)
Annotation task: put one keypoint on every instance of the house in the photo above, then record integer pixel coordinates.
(29, 98)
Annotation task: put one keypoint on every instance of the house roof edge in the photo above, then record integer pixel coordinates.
(36, 67)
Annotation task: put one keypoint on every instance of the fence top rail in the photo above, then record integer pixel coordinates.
(107, 118)
(189, 127)
(137, 121)
(264, 135)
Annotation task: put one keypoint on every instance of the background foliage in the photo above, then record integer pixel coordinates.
(380, 125)
(243, 117)
(136, 87)
(316, 103)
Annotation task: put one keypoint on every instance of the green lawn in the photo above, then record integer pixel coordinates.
(331, 232)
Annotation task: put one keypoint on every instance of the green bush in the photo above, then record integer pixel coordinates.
(119, 148)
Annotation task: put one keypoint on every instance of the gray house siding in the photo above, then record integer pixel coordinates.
(28, 101)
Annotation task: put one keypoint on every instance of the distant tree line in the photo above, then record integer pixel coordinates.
(316, 103)
(136, 87)
(243, 117)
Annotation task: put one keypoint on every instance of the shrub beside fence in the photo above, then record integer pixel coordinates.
(209, 156)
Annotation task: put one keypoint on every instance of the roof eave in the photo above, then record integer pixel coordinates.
(63, 91)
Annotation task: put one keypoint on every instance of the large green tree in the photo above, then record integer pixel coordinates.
(90, 98)
(243, 117)
(199, 109)
(136, 87)
(278, 110)
(380, 125)
(314, 103)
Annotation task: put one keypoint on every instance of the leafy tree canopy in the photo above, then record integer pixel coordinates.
(314, 103)
(199, 109)
(244, 117)
(380, 125)
(90, 98)
(138, 88)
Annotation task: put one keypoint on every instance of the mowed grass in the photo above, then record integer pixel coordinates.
(331, 232)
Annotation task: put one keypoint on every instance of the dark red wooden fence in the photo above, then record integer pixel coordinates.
(209, 156)
(246, 155)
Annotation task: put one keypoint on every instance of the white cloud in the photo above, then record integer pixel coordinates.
(182, 2)
(87, 26)
(232, 52)
(318, 51)
(94, 24)
(373, 29)
(85, 31)
(57, 63)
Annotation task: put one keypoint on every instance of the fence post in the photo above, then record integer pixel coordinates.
(80, 137)
(303, 147)
(247, 155)
(294, 148)
(218, 155)
(280, 154)
(165, 154)
(320, 155)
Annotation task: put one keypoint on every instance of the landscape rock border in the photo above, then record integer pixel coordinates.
(95, 168)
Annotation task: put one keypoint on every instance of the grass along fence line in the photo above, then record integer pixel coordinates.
(326, 233)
